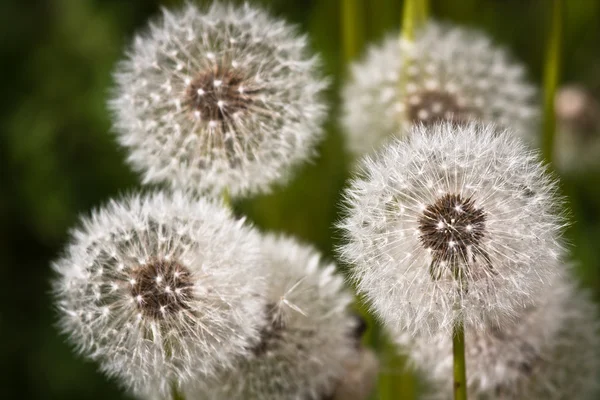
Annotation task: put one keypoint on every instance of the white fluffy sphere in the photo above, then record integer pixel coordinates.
(455, 222)
(222, 99)
(552, 352)
(160, 289)
(447, 73)
(304, 350)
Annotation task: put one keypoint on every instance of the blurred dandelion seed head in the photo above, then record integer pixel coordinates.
(310, 334)
(447, 73)
(466, 201)
(432, 106)
(227, 98)
(534, 358)
(160, 289)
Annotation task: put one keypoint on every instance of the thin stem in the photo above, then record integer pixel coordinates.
(226, 198)
(414, 16)
(410, 19)
(460, 368)
(352, 28)
(425, 9)
(176, 394)
(551, 76)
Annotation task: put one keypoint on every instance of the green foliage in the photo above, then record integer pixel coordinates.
(58, 157)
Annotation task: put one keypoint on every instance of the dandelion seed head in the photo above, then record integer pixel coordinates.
(215, 99)
(456, 213)
(309, 338)
(160, 289)
(551, 352)
(446, 74)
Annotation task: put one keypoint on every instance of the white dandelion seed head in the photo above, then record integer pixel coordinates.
(452, 214)
(304, 349)
(552, 352)
(161, 288)
(447, 73)
(227, 98)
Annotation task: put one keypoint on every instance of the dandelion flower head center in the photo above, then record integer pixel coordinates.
(451, 226)
(219, 93)
(161, 288)
(432, 106)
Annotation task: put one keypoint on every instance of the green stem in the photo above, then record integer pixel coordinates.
(410, 19)
(352, 28)
(414, 16)
(176, 394)
(425, 10)
(460, 367)
(226, 198)
(551, 76)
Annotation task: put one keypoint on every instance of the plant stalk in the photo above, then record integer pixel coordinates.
(176, 394)
(551, 77)
(425, 10)
(352, 29)
(410, 19)
(226, 197)
(458, 355)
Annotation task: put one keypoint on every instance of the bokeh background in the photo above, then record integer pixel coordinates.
(58, 157)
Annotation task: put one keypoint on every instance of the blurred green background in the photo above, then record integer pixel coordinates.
(58, 158)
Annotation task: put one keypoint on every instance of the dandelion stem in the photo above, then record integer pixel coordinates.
(352, 32)
(176, 394)
(551, 76)
(414, 15)
(226, 198)
(410, 18)
(458, 352)
(424, 10)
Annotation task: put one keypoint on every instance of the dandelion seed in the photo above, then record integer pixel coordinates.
(161, 312)
(485, 233)
(223, 99)
(552, 352)
(446, 74)
(301, 354)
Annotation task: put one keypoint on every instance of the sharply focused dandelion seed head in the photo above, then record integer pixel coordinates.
(454, 214)
(446, 74)
(309, 340)
(161, 288)
(552, 352)
(227, 99)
